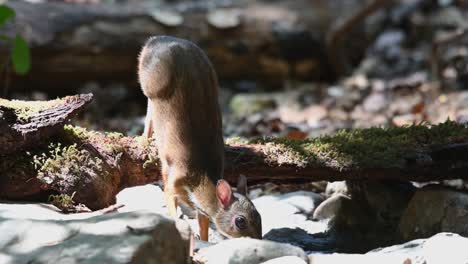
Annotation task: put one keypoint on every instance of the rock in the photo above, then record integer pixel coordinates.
(312, 115)
(350, 221)
(247, 104)
(286, 259)
(337, 187)
(375, 102)
(133, 237)
(387, 200)
(454, 249)
(300, 238)
(441, 248)
(435, 209)
(246, 251)
(167, 17)
(145, 197)
(337, 258)
(338, 207)
(306, 202)
(388, 40)
(315, 114)
(277, 213)
(364, 119)
(406, 120)
(359, 81)
(404, 105)
(224, 18)
(273, 211)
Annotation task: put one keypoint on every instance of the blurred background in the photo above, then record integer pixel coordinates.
(286, 68)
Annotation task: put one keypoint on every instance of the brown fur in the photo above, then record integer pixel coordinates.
(183, 114)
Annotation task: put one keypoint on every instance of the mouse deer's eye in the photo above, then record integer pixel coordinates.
(240, 222)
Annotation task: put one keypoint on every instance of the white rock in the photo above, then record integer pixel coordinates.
(336, 187)
(276, 212)
(224, 18)
(446, 248)
(168, 18)
(286, 259)
(138, 237)
(146, 197)
(306, 202)
(246, 251)
(439, 249)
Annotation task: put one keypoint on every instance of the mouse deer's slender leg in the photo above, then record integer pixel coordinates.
(203, 226)
(149, 123)
(171, 201)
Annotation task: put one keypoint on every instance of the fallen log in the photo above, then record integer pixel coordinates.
(265, 41)
(23, 124)
(91, 167)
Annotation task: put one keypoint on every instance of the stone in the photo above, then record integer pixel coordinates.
(305, 201)
(286, 259)
(387, 200)
(224, 18)
(51, 237)
(441, 248)
(350, 222)
(246, 251)
(247, 104)
(337, 187)
(343, 213)
(300, 238)
(272, 209)
(314, 114)
(167, 17)
(148, 197)
(435, 209)
(454, 249)
(375, 102)
(277, 213)
(406, 119)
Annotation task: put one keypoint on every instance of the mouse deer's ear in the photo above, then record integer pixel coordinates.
(242, 185)
(224, 193)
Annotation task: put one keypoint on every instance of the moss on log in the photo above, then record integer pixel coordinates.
(91, 167)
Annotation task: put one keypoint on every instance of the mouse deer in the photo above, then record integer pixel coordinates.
(184, 117)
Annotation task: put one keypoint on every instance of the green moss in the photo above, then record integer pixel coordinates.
(284, 151)
(77, 132)
(24, 109)
(364, 148)
(150, 147)
(63, 201)
(114, 135)
(150, 161)
(63, 161)
(143, 141)
(236, 141)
